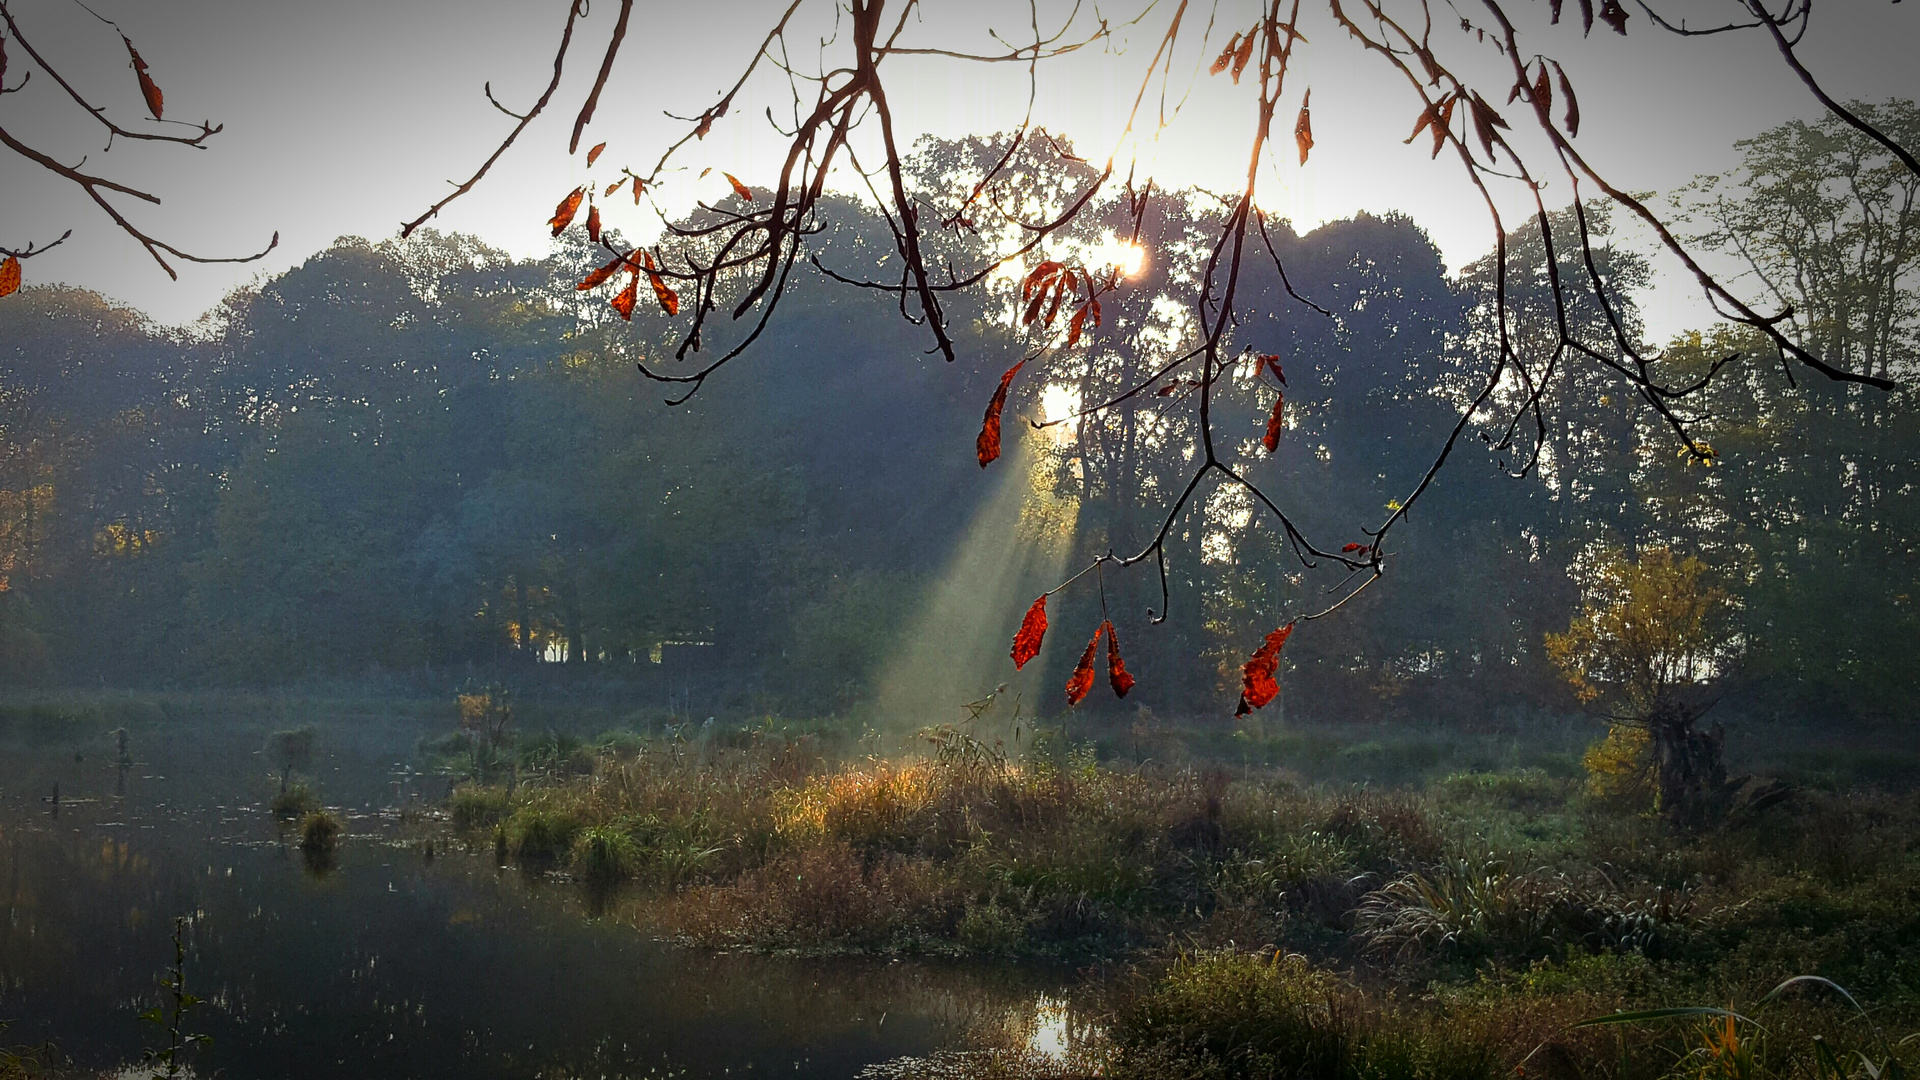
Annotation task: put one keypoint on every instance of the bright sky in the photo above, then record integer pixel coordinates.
(346, 118)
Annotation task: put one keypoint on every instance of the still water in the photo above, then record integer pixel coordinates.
(392, 963)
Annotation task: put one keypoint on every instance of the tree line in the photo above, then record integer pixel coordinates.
(427, 460)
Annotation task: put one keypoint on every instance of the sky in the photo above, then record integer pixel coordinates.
(347, 117)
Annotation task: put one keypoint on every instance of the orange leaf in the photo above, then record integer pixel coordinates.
(629, 296)
(599, 276)
(1240, 58)
(593, 155)
(1039, 278)
(1257, 683)
(1117, 674)
(669, 300)
(1081, 681)
(739, 188)
(148, 88)
(10, 276)
(1226, 56)
(569, 206)
(613, 187)
(1303, 128)
(987, 446)
(1275, 424)
(1033, 628)
(639, 186)
(1272, 360)
(593, 224)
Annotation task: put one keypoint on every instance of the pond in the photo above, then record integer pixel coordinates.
(393, 962)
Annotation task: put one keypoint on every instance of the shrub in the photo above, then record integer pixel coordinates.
(604, 854)
(476, 807)
(1620, 769)
(295, 800)
(319, 832)
(537, 833)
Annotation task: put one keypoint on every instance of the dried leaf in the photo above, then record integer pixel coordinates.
(639, 186)
(629, 296)
(1079, 322)
(613, 187)
(599, 276)
(593, 224)
(10, 276)
(148, 88)
(706, 125)
(569, 206)
(987, 446)
(1257, 683)
(1117, 675)
(669, 300)
(739, 188)
(1573, 104)
(1272, 360)
(1484, 121)
(1081, 681)
(593, 155)
(1303, 128)
(1039, 278)
(1543, 90)
(1033, 628)
(1612, 12)
(1586, 16)
(1226, 56)
(1241, 57)
(1556, 12)
(1275, 425)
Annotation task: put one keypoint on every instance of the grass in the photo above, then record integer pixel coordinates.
(1445, 928)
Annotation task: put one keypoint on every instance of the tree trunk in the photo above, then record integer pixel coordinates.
(1688, 763)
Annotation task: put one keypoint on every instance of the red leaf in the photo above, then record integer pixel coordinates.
(10, 276)
(1257, 684)
(1352, 548)
(1615, 16)
(148, 89)
(1226, 56)
(1074, 327)
(1275, 425)
(1273, 361)
(1543, 90)
(1303, 128)
(627, 298)
(613, 187)
(639, 186)
(987, 446)
(1573, 104)
(1117, 674)
(593, 224)
(739, 188)
(569, 206)
(593, 155)
(1039, 278)
(669, 300)
(1081, 681)
(1240, 58)
(1033, 628)
(598, 277)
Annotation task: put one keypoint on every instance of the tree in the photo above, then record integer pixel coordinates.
(1652, 635)
(290, 750)
(1011, 217)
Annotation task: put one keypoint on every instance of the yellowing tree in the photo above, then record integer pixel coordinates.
(1646, 645)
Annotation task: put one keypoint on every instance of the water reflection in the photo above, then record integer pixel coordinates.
(388, 958)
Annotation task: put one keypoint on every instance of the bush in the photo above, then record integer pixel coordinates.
(604, 854)
(476, 807)
(536, 833)
(295, 800)
(319, 832)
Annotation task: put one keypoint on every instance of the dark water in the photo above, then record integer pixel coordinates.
(391, 964)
